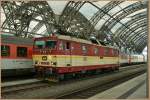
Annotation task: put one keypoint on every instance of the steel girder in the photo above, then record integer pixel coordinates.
(99, 14)
(139, 43)
(136, 36)
(126, 33)
(141, 46)
(69, 13)
(110, 23)
(138, 39)
(130, 9)
(14, 20)
(43, 9)
(21, 15)
(81, 21)
(37, 27)
(47, 14)
(140, 34)
(133, 21)
(72, 17)
(141, 38)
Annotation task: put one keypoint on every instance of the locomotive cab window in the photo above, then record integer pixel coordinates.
(21, 52)
(39, 44)
(5, 50)
(50, 44)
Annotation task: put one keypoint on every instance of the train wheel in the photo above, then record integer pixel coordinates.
(78, 75)
(117, 69)
(73, 75)
(61, 77)
(98, 71)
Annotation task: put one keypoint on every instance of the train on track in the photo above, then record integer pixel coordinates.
(57, 56)
(16, 56)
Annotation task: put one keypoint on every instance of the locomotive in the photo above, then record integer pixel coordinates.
(57, 55)
(16, 56)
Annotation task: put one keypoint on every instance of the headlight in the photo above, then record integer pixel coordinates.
(53, 63)
(36, 62)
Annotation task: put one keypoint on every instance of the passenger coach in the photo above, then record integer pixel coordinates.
(16, 56)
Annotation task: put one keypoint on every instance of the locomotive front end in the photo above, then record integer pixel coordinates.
(44, 57)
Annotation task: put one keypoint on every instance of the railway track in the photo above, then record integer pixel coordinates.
(23, 87)
(91, 91)
(84, 93)
(73, 88)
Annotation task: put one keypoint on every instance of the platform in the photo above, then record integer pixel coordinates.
(19, 82)
(132, 89)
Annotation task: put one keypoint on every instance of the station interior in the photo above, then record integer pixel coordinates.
(74, 49)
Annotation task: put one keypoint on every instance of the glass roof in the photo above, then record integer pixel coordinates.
(88, 10)
(57, 6)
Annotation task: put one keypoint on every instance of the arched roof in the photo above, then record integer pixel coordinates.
(121, 23)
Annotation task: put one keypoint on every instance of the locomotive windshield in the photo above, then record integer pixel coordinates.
(45, 44)
(39, 44)
(50, 44)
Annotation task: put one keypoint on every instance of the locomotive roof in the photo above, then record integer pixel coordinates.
(73, 39)
(69, 38)
(16, 40)
(81, 40)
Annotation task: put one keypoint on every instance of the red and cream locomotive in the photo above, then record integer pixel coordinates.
(60, 55)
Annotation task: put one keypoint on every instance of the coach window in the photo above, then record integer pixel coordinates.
(96, 51)
(113, 52)
(67, 45)
(5, 50)
(84, 49)
(61, 46)
(21, 52)
(106, 51)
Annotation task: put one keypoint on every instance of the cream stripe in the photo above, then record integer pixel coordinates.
(63, 60)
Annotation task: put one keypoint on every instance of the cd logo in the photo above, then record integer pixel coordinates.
(44, 58)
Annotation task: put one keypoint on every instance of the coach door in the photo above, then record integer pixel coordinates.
(68, 53)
